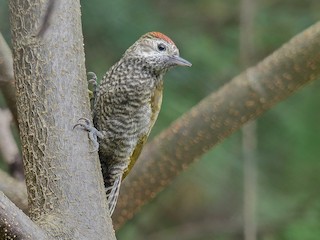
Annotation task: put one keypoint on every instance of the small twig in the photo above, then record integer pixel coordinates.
(7, 83)
(8, 146)
(16, 168)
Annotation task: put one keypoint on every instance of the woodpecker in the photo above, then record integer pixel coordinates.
(127, 104)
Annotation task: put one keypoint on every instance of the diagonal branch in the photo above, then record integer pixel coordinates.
(220, 114)
(14, 224)
(16, 191)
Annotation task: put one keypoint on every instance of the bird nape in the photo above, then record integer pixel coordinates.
(127, 104)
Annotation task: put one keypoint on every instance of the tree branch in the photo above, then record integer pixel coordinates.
(15, 190)
(220, 114)
(7, 86)
(8, 146)
(6, 77)
(14, 224)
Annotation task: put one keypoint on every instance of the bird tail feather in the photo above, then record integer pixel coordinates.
(113, 193)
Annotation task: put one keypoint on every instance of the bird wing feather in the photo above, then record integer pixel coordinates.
(155, 104)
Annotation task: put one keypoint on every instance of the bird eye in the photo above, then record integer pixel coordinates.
(161, 47)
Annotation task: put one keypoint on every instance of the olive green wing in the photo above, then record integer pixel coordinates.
(155, 103)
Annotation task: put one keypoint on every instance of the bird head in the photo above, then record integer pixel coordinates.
(158, 51)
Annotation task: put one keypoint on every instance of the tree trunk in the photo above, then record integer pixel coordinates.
(64, 182)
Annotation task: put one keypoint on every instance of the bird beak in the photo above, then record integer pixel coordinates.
(176, 60)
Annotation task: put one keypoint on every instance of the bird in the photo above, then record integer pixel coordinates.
(127, 104)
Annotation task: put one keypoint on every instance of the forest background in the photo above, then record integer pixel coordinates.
(206, 201)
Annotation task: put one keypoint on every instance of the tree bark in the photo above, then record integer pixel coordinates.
(64, 181)
(244, 98)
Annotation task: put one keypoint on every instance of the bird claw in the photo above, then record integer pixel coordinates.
(93, 133)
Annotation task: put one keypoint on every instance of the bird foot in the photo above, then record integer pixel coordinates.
(93, 133)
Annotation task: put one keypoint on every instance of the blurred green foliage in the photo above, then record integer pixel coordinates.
(211, 191)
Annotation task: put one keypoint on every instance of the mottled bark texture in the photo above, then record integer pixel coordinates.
(64, 182)
(244, 98)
